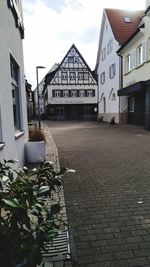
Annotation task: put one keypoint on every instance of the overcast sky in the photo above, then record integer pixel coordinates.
(52, 26)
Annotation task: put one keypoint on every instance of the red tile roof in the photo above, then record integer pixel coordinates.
(123, 30)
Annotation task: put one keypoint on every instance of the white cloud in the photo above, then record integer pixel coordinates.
(51, 29)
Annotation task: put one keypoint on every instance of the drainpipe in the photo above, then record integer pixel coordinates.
(120, 78)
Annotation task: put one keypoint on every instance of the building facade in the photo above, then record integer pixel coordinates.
(13, 114)
(116, 27)
(135, 94)
(70, 91)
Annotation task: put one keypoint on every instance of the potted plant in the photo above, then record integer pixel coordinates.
(35, 147)
(26, 222)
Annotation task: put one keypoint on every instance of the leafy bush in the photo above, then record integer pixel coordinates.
(26, 222)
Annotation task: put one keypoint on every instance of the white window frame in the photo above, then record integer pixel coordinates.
(140, 54)
(82, 93)
(56, 93)
(72, 75)
(128, 63)
(80, 75)
(15, 85)
(64, 75)
(65, 93)
(90, 93)
(73, 93)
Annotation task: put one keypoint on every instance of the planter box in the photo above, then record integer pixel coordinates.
(35, 151)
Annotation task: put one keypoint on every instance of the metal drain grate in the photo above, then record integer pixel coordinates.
(59, 249)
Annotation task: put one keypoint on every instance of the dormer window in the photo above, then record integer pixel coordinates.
(127, 19)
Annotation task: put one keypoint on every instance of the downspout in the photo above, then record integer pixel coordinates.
(120, 80)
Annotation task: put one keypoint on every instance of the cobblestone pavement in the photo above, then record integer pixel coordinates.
(57, 196)
(108, 198)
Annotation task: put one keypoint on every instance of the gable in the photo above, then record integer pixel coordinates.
(73, 70)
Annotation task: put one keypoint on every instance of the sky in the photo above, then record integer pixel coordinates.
(52, 26)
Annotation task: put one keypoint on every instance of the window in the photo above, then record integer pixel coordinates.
(81, 93)
(141, 53)
(80, 75)
(112, 71)
(113, 96)
(64, 75)
(14, 69)
(128, 62)
(86, 75)
(131, 104)
(90, 93)
(103, 53)
(73, 93)
(72, 75)
(65, 93)
(109, 46)
(70, 59)
(76, 59)
(102, 78)
(127, 19)
(56, 93)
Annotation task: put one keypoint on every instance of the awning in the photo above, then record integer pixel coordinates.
(133, 88)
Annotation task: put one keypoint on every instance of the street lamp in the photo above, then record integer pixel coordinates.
(37, 79)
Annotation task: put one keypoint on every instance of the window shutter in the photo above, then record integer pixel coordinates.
(85, 93)
(144, 51)
(93, 92)
(124, 65)
(148, 49)
(53, 93)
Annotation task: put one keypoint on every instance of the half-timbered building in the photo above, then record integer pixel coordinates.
(70, 91)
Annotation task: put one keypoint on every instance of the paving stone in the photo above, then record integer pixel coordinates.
(108, 198)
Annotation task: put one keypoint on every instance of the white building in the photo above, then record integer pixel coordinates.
(135, 93)
(13, 115)
(70, 91)
(117, 25)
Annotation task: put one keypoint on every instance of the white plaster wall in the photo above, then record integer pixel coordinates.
(71, 100)
(142, 72)
(112, 106)
(10, 42)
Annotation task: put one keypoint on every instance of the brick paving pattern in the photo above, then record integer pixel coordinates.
(57, 196)
(108, 198)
